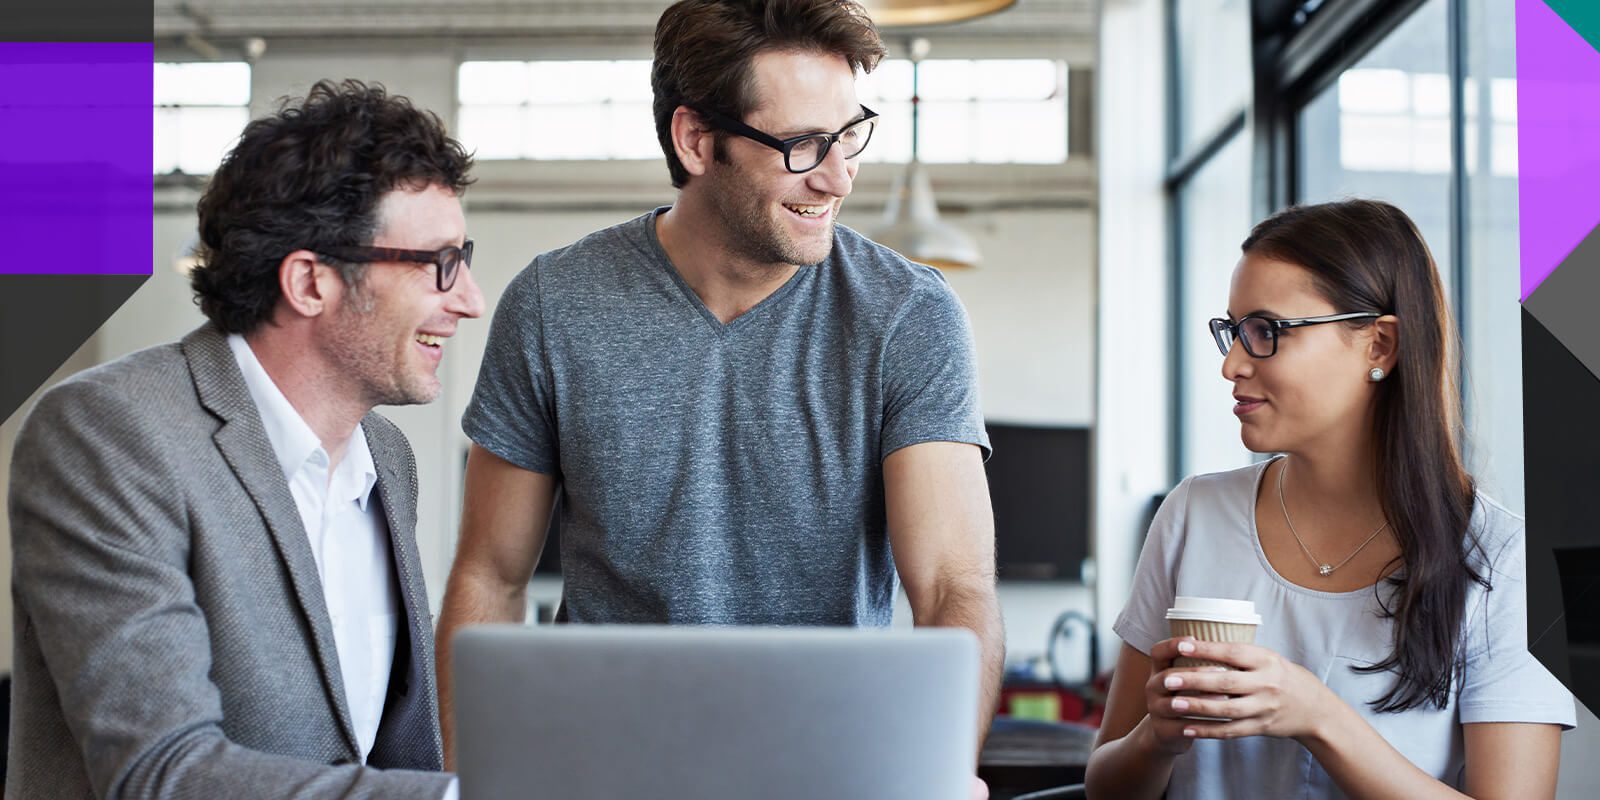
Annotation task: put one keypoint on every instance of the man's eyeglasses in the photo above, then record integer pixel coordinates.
(805, 152)
(447, 260)
(1259, 335)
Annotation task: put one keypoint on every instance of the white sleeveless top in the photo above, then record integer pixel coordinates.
(1203, 543)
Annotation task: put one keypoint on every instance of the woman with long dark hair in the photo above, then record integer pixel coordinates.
(1391, 660)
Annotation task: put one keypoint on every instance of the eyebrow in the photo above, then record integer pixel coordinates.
(791, 133)
(1260, 312)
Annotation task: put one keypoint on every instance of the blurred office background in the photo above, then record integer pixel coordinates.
(1105, 158)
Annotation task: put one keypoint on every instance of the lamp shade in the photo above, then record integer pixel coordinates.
(912, 228)
(903, 13)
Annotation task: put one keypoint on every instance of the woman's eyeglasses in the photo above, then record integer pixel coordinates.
(1259, 335)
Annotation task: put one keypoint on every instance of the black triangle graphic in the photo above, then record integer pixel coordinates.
(1561, 449)
(45, 318)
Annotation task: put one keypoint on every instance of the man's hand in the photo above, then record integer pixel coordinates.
(980, 790)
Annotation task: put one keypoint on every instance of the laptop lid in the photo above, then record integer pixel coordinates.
(611, 712)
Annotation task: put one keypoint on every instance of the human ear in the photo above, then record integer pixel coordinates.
(692, 140)
(1383, 343)
(303, 282)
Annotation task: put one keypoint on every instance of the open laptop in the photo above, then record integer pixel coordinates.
(699, 713)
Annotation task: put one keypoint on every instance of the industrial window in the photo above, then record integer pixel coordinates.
(200, 109)
(972, 111)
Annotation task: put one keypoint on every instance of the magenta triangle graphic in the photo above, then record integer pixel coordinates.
(1558, 139)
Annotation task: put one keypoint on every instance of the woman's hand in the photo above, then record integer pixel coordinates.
(1166, 723)
(1264, 695)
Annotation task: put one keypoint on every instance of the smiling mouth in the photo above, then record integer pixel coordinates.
(429, 340)
(808, 211)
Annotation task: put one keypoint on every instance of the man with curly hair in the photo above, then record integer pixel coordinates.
(218, 591)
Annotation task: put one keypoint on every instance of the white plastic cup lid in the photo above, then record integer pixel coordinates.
(1215, 609)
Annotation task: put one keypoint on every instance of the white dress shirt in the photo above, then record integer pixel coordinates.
(349, 540)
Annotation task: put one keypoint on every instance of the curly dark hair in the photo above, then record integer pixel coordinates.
(311, 176)
(704, 50)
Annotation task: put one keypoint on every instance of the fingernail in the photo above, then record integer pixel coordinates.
(1186, 647)
(1172, 682)
(1189, 732)
(1180, 704)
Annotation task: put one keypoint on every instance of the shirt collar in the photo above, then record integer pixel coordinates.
(293, 441)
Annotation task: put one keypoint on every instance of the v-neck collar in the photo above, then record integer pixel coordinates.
(661, 258)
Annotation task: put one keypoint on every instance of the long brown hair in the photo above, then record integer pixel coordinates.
(1366, 255)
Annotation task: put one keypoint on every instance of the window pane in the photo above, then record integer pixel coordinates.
(891, 140)
(483, 83)
(948, 80)
(1213, 66)
(202, 84)
(166, 140)
(986, 111)
(568, 132)
(1492, 334)
(1020, 133)
(1020, 79)
(947, 132)
(891, 80)
(1215, 217)
(630, 81)
(493, 132)
(632, 131)
(205, 136)
(1383, 131)
(568, 81)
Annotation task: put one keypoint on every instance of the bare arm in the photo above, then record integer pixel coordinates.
(942, 530)
(1504, 760)
(1267, 695)
(1129, 760)
(504, 516)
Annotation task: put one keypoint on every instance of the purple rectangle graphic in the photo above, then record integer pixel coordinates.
(75, 157)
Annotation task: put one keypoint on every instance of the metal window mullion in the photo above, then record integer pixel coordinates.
(1456, 30)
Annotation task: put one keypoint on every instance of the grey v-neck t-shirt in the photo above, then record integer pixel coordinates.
(1203, 543)
(723, 473)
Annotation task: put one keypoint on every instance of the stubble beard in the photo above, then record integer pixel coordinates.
(751, 231)
(362, 352)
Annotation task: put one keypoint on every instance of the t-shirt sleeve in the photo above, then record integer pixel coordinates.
(1501, 680)
(1143, 620)
(930, 375)
(510, 413)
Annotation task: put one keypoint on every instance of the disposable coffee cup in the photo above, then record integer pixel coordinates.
(1212, 619)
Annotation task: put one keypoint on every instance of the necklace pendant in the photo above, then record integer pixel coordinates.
(1325, 570)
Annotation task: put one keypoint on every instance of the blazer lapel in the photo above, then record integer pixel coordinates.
(408, 733)
(242, 439)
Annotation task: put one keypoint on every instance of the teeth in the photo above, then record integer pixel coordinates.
(808, 211)
(435, 341)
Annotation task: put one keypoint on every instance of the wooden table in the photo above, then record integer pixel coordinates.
(1022, 756)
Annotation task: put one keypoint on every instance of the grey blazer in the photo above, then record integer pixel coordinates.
(172, 640)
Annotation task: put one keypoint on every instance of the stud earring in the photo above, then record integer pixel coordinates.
(1376, 374)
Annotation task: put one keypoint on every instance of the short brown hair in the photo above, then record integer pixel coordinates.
(704, 49)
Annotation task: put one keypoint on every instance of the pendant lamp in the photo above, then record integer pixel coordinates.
(911, 225)
(901, 13)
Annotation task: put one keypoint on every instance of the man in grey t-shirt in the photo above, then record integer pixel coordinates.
(744, 406)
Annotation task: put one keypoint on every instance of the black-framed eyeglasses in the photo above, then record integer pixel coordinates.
(805, 152)
(1260, 334)
(446, 260)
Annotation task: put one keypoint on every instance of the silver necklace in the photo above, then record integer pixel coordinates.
(1323, 569)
